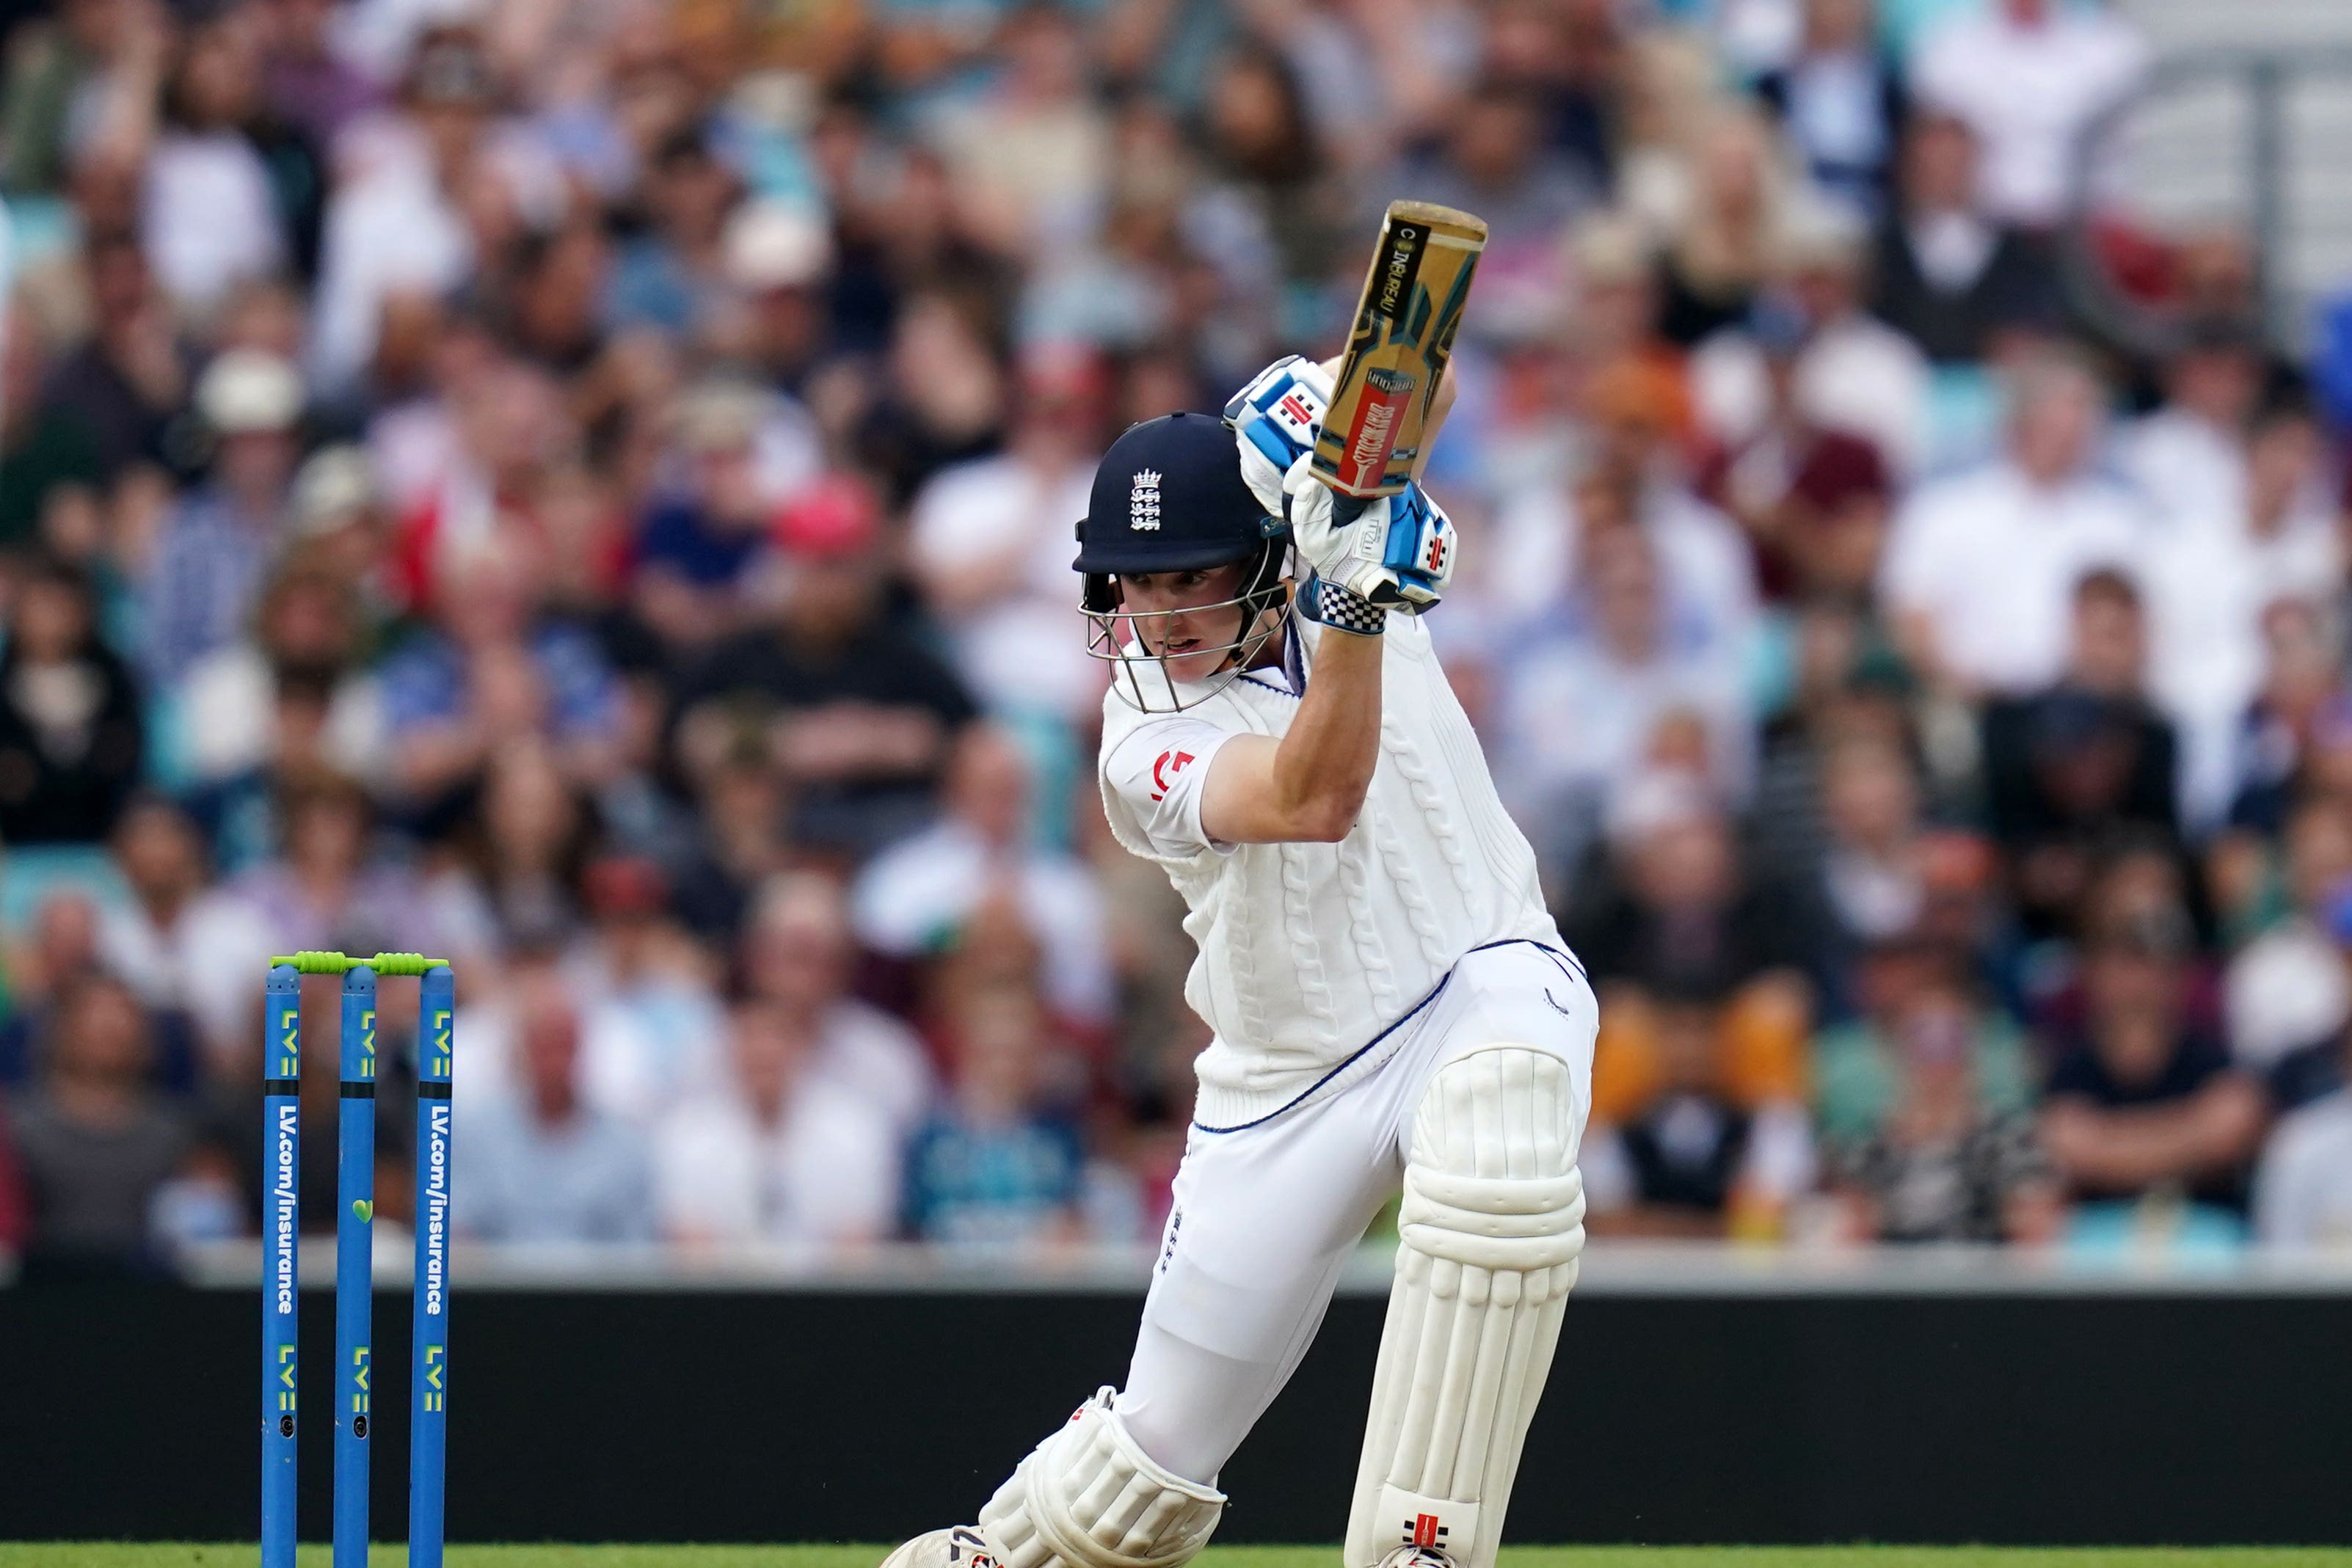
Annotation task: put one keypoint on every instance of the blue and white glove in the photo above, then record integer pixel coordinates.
(1275, 420)
(1395, 552)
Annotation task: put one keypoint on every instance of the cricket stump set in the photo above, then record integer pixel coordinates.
(281, 1292)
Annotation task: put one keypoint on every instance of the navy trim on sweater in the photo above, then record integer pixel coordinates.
(1410, 1013)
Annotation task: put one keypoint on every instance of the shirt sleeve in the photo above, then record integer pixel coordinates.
(1608, 1184)
(2282, 1209)
(1779, 1163)
(1913, 573)
(1158, 771)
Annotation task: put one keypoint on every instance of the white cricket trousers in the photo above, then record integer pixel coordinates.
(1266, 1215)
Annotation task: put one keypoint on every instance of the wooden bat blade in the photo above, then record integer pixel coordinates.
(1405, 322)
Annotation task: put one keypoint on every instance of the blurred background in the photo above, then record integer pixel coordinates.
(586, 486)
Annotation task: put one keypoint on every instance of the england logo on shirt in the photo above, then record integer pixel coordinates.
(1143, 502)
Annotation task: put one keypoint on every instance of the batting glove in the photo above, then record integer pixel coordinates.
(1275, 419)
(1396, 551)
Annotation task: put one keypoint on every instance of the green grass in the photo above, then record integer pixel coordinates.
(124, 1554)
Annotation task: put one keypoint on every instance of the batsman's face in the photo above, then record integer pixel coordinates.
(1186, 617)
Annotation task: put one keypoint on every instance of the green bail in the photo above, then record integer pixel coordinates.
(314, 963)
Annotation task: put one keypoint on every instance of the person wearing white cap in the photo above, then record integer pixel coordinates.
(779, 256)
(209, 564)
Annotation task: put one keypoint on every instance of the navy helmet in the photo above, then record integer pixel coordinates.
(1168, 496)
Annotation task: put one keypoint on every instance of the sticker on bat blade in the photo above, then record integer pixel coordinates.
(1364, 460)
(1400, 267)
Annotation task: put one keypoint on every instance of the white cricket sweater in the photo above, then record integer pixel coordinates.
(1309, 952)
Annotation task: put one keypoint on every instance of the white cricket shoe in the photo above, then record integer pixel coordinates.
(1416, 1557)
(960, 1547)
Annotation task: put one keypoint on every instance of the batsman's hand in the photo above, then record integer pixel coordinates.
(1396, 551)
(1275, 420)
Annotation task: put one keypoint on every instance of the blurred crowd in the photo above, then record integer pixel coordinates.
(586, 486)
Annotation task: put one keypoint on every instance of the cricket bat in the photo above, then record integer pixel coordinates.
(1386, 382)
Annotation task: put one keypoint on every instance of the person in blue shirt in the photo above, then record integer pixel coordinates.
(996, 1167)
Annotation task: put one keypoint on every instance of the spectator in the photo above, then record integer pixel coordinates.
(1946, 272)
(782, 1154)
(696, 545)
(1694, 1161)
(2069, 767)
(524, 846)
(1675, 912)
(396, 227)
(2303, 1187)
(779, 257)
(1030, 154)
(61, 945)
(2295, 739)
(2288, 986)
(1910, 984)
(857, 712)
(95, 1139)
(741, 807)
(2211, 576)
(1273, 180)
(1811, 358)
(797, 956)
(215, 215)
(70, 744)
(1495, 162)
(1628, 471)
(309, 86)
(653, 1025)
(307, 635)
(1840, 103)
(124, 382)
(996, 1167)
(1941, 1166)
(1724, 240)
(2030, 78)
(672, 276)
(1873, 871)
(209, 564)
(1584, 696)
(330, 884)
(187, 955)
(2137, 1105)
(542, 1165)
(2189, 457)
(915, 896)
(989, 543)
(1980, 566)
(45, 455)
(496, 666)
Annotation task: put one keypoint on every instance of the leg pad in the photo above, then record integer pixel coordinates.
(1491, 1229)
(1090, 1497)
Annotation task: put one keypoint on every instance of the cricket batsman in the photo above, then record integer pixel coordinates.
(1391, 1004)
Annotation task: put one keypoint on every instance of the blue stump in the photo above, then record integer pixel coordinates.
(354, 1283)
(429, 1349)
(281, 1243)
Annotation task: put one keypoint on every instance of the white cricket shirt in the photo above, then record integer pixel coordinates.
(1309, 952)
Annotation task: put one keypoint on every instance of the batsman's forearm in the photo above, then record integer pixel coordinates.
(1324, 764)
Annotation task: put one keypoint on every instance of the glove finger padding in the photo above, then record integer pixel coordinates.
(1396, 551)
(1275, 419)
